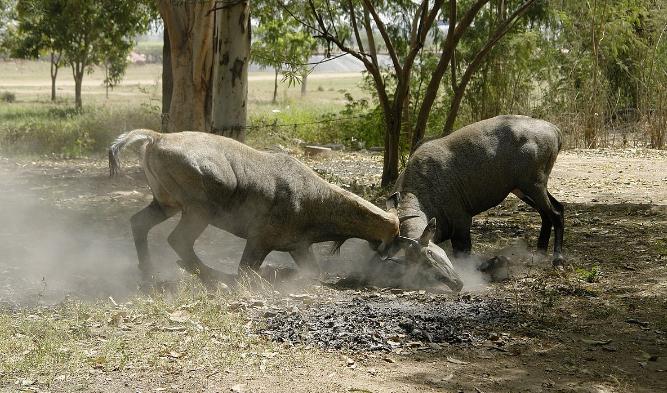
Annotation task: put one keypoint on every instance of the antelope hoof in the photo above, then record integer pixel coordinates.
(275, 274)
(213, 279)
(558, 262)
(148, 275)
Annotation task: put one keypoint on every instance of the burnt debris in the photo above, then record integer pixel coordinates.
(388, 320)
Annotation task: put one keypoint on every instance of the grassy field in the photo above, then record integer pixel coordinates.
(31, 83)
(32, 124)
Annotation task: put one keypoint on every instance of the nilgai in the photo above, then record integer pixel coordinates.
(454, 178)
(272, 200)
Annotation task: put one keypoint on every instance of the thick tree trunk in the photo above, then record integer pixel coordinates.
(167, 81)
(275, 86)
(230, 70)
(189, 25)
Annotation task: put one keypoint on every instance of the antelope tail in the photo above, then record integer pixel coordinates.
(127, 139)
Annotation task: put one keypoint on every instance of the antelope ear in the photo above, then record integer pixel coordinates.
(393, 200)
(429, 232)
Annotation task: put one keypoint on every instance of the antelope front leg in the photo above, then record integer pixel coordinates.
(253, 257)
(142, 222)
(305, 258)
(182, 240)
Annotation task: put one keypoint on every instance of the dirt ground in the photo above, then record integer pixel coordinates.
(599, 326)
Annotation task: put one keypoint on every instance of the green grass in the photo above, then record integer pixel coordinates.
(57, 129)
(589, 275)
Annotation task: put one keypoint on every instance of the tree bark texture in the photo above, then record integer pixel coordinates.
(167, 81)
(275, 85)
(190, 29)
(77, 73)
(304, 80)
(231, 58)
(54, 74)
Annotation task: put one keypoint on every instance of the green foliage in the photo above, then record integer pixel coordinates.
(86, 33)
(281, 43)
(7, 28)
(588, 66)
(364, 126)
(589, 275)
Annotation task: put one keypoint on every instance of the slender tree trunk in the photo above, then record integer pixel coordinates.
(448, 52)
(230, 71)
(106, 77)
(167, 81)
(77, 73)
(54, 74)
(275, 85)
(304, 80)
(391, 150)
(189, 25)
(590, 133)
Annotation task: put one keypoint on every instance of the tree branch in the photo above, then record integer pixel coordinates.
(353, 17)
(424, 25)
(499, 33)
(385, 35)
(372, 49)
(434, 84)
(371, 66)
(467, 19)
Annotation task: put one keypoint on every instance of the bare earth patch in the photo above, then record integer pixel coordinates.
(73, 320)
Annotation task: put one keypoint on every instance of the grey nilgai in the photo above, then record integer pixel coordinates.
(451, 179)
(272, 200)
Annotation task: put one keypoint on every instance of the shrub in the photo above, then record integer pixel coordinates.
(8, 96)
(66, 132)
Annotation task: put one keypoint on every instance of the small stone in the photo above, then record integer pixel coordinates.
(317, 151)
(334, 146)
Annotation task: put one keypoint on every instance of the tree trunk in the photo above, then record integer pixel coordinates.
(189, 26)
(275, 86)
(304, 80)
(230, 70)
(54, 74)
(167, 81)
(77, 73)
(106, 77)
(590, 132)
(391, 151)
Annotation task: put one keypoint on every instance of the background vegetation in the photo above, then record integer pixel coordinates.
(598, 70)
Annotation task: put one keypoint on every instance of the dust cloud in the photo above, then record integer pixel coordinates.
(478, 270)
(51, 248)
(48, 252)
(55, 243)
